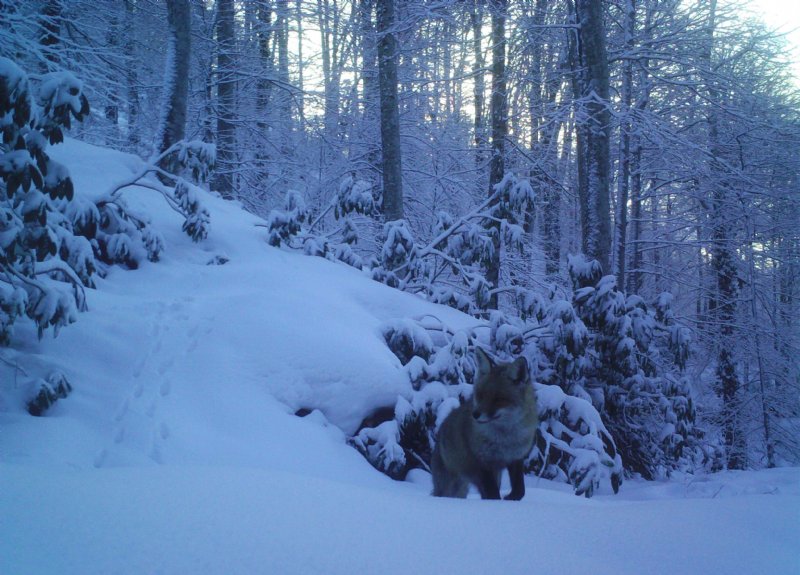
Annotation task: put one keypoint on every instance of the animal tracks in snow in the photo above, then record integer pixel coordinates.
(141, 423)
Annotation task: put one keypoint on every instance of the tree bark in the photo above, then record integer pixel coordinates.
(499, 120)
(390, 111)
(131, 77)
(176, 78)
(371, 90)
(591, 68)
(328, 18)
(476, 20)
(301, 113)
(226, 99)
(50, 32)
(623, 177)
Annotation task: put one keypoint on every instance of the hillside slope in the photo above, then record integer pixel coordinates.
(178, 452)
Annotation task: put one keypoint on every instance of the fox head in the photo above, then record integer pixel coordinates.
(500, 388)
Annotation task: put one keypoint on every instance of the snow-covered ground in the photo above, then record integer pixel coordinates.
(179, 452)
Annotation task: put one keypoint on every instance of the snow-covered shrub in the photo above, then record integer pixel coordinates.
(49, 390)
(572, 443)
(514, 197)
(182, 196)
(647, 407)
(122, 237)
(405, 441)
(381, 446)
(506, 334)
(53, 242)
(567, 343)
(286, 223)
(197, 157)
(43, 265)
(680, 337)
(197, 217)
(344, 253)
(293, 222)
(398, 261)
(407, 339)
(60, 97)
(354, 196)
(439, 376)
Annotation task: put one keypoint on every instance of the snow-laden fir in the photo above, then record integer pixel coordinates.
(178, 450)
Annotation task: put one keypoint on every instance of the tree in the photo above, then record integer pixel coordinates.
(176, 78)
(591, 87)
(50, 36)
(499, 121)
(226, 97)
(131, 80)
(476, 23)
(388, 55)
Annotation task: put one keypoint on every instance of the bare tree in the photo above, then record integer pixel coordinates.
(390, 112)
(176, 77)
(226, 99)
(499, 120)
(590, 66)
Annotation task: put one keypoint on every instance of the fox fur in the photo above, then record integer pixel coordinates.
(491, 432)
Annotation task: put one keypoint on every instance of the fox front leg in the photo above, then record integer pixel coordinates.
(489, 484)
(516, 473)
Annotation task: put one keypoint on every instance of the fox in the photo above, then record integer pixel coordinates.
(493, 431)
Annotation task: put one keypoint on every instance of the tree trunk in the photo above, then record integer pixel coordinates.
(112, 105)
(724, 266)
(131, 78)
(264, 40)
(623, 178)
(284, 100)
(635, 273)
(591, 68)
(390, 111)
(499, 120)
(545, 143)
(327, 26)
(226, 99)
(369, 73)
(634, 279)
(476, 19)
(50, 32)
(176, 78)
(301, 113)
(499, 96)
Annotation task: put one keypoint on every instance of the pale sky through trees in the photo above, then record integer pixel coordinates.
(784, 16)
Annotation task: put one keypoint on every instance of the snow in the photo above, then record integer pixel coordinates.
(61, 89)
(179, 452)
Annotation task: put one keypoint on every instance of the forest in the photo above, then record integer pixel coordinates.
(608, 187)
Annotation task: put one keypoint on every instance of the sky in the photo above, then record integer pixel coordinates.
(784, 15)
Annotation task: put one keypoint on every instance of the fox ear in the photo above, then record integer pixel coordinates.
(519, 370)
(484, 362)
